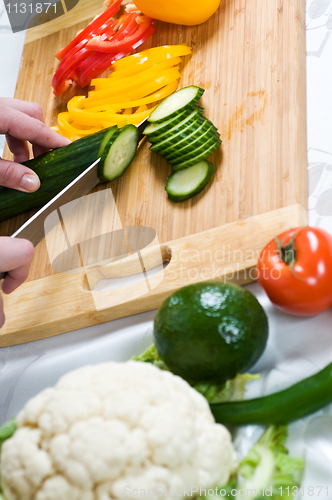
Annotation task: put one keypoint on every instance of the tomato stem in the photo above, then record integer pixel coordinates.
(287, 253)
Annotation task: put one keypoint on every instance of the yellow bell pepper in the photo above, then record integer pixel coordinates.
(107, 104)
(188, 12)
(147, 58)
(128, 82)
(81, 116)
(136, 92)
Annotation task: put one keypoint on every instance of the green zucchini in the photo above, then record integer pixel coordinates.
(183, 99)
(57, 168)
(188, 182)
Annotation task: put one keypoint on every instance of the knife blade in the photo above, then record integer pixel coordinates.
(33, 229)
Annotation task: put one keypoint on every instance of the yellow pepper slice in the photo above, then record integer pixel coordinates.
(137, 68)
(138, 91)
(83, 117)
(108, 104)
(126, 83)
(163, 52)
(71, 131)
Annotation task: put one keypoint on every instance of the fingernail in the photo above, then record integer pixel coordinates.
(29, 183)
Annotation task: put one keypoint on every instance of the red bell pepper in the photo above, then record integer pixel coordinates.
(99, 21)
(81, 62)
(129, 42)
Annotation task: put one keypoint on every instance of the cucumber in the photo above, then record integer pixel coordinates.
(191, 145)
(176, 142)
(187, 183)
(196, 115)
(197, 151)
(181, 100)
(107, 138)
(57, 168)
(195, 159)
(120, 154)
(154, 129)
(159, 147)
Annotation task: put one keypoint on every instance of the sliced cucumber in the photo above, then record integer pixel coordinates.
(196, 152)
(154, 129)
(162, 146)
(196, 159)
(174, 143)
(193, 117)
(187, 183)
(206, 134)
(108, 136)
(176, 103)
(121, 153)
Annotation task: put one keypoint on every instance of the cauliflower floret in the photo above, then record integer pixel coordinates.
(107, 429)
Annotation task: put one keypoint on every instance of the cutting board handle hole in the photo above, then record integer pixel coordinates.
(127, 271)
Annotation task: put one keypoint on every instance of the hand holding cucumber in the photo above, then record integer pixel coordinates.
(23, 121)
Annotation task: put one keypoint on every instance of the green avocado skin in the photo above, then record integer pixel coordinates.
(210, 331)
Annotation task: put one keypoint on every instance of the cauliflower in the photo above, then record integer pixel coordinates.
(108, 429)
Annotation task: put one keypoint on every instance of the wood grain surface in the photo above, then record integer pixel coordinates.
(250, 58)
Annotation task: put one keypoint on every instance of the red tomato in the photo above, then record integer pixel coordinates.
(295, 270)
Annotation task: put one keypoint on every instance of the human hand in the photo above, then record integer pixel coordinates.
(16, 255)
(23, 121)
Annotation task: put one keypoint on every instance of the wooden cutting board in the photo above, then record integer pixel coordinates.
(250, 58)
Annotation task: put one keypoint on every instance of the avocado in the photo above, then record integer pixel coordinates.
(210, 332)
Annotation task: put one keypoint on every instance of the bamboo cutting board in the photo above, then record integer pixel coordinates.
(250, 58)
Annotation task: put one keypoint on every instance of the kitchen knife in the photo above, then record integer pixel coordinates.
(33, 229)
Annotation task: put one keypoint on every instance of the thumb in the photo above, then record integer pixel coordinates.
(16, 176)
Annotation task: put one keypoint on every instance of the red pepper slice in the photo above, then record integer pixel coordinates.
(99, 21)
(97, 63)
(114, 46)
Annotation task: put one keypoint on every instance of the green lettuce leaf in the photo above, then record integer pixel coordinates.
(268, 466)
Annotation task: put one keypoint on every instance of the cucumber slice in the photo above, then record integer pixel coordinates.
(176, 103)
(109, 135)
(192, 154)
(174, 143)
(187, 183)
(193, 144)
(199, 157)
(154, 129)
(121, 153)
(162, 146)
(195, 116)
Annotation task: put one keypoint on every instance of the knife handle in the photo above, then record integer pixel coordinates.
(2, 275)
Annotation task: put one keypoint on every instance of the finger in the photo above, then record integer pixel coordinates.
(20, 149)
(29, 108)
(17, 176)
(26, 128)
(38, 150)
(16, 256)
(2, 315)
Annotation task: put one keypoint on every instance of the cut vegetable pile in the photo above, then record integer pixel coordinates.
(102, 42)
(180, 133)
(57, 168)
(128, 95)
